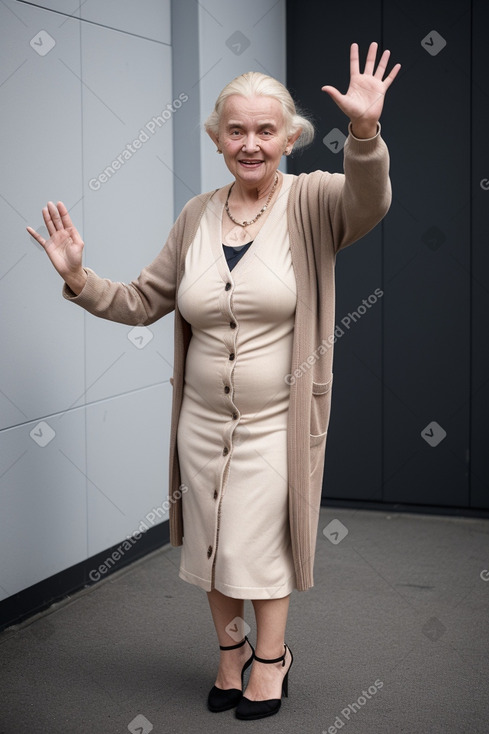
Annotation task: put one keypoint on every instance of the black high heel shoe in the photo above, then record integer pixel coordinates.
(259, 709)
(221, 699)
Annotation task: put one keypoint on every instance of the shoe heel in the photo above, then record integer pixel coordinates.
(285, 685)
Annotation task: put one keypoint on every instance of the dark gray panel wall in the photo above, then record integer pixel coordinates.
(318, 54)
(403, 423)
(427, 257)
(480, 259)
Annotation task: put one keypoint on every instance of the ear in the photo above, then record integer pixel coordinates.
(213, 137)
(291, 140)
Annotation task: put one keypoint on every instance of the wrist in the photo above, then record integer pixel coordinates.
(364, 129)
(76, 281)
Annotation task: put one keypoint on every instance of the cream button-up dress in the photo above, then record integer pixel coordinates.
(232, 430)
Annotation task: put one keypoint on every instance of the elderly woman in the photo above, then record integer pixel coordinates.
(249, 271)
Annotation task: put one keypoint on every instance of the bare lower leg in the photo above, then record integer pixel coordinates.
(224, 609)
(271, 619)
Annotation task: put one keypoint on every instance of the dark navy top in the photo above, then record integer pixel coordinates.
(234, 254)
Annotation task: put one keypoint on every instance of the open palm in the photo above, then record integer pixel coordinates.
(364, 98)
(64, 246)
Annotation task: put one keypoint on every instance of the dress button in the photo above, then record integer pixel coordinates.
(228, 286)
(231, 356)
(225, 451)
(215, 494)
(232, 324)
(227, 389)
(209, 551)
(235, 416)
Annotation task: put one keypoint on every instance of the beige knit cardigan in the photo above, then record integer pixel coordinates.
(325, 213)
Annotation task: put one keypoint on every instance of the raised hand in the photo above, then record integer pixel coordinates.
(64, 246)
(364, 99)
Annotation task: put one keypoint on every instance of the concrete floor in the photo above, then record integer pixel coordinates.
(399, 611)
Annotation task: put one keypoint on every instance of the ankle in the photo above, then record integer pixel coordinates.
(236, 656)
(272, 653)
(238, 646)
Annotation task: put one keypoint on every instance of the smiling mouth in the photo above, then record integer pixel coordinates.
(250, 163)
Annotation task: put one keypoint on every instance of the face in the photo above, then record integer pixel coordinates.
(252, 137)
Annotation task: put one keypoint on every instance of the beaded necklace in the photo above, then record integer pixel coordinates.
(252, 221)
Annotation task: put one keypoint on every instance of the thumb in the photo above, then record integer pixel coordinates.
(335, 95)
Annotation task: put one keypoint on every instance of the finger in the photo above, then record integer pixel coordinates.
(53, 210)
(65, 217)
(390, 78)
(372, 53)
(36, 236)
(354, 63)
(380, 71)
(48, 221)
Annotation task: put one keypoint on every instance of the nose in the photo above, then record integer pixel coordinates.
(250, 143)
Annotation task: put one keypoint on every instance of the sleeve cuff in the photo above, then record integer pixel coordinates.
(364, 147)
(85, 291)
(361, 140)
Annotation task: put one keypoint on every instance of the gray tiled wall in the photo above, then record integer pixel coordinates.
(102, 400)
(84, 405)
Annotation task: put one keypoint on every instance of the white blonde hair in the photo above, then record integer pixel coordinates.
(254, 83)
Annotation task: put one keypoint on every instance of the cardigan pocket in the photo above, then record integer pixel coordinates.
(320, 409)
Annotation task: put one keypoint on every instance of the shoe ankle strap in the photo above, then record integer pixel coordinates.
(281, 659)
(233, 647)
